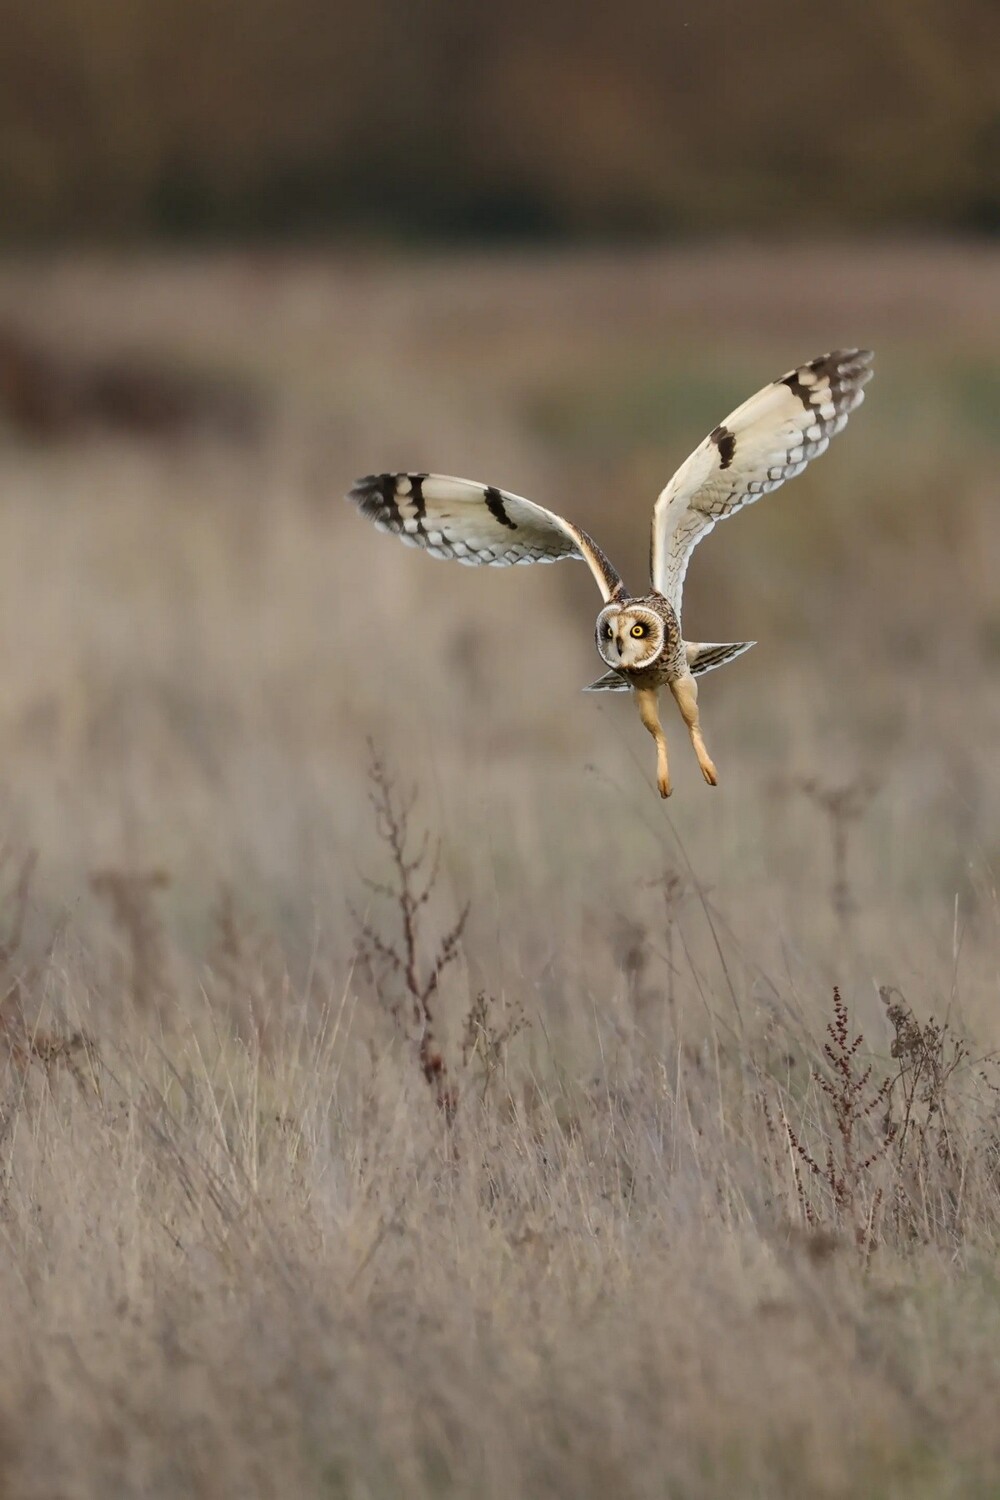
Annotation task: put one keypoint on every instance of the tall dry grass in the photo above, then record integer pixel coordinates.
(315, 1187)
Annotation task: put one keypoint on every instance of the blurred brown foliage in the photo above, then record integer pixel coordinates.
(46, 394)
(444, 118)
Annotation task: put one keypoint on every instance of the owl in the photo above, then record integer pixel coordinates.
(768, 439)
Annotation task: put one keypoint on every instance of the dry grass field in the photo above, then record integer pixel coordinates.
(591, 1189)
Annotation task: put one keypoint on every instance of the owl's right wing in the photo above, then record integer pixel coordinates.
(477, 524)
(760, 445)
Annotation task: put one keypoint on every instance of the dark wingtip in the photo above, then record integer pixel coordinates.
(375, 497)
(855, 364)
(363, 489)
(859, 361)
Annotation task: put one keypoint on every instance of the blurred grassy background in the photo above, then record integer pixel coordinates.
(245, 1251)
(213, 607)
(443, 119)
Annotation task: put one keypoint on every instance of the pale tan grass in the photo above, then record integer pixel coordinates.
(244, 1252)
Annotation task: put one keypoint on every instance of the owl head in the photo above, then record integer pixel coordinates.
(630, 636)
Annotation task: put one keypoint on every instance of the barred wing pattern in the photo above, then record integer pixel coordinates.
(768, 439)
(477, 524)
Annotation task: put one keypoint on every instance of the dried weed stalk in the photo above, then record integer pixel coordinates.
(932, 1166)
(407, 983)
(485, 1042)
(906, 1119)
(852, 1147)
(633, 948)
(844, 807)
(927, 1057)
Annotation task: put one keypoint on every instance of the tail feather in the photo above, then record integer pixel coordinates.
(707, 655)
(702, 657)
(611, 682)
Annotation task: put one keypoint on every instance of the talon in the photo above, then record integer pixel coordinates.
(665, 788)
(709, 772)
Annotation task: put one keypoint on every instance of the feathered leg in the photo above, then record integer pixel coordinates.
(685, 690)
(649, 713)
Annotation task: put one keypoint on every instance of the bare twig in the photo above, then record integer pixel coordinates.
(416, 864)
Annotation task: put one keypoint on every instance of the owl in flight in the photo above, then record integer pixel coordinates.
(768, 439)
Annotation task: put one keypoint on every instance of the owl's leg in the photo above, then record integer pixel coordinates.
(649, 713)
(685, 690)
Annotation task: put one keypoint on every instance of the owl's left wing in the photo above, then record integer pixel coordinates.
(768, 439)
(477, 524)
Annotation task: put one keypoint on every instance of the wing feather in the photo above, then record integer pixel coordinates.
(770, 438)
(476, 524)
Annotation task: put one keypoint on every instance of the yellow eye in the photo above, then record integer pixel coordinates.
(638, 631)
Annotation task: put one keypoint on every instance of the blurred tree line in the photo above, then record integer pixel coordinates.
(446, 118)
